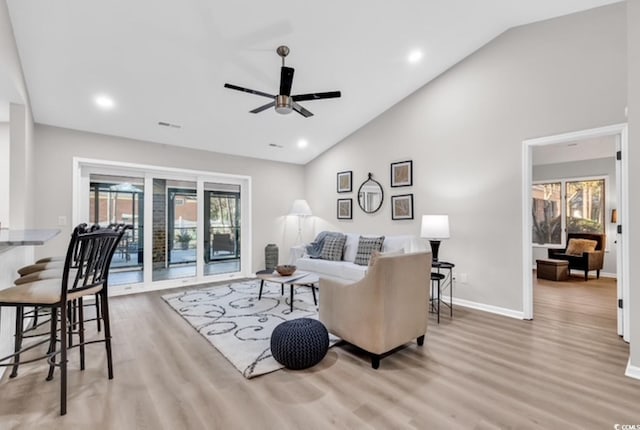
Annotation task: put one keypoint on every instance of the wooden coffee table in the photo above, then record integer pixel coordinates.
(298, 279)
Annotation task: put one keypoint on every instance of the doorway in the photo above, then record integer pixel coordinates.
(619, 133)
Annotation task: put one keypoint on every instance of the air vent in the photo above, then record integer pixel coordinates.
(168, 124)
(275, 145)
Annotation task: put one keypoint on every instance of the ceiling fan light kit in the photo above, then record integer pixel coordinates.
(284, 102)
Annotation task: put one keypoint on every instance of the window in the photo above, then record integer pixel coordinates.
(585, 206)
(547, 211)
(583, 212)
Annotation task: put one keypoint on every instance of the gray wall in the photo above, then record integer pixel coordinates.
(464, 133)
(275, 185)
(580, 169)
(633, 18)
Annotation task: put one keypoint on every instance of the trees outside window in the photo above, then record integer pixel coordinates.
(583, 212)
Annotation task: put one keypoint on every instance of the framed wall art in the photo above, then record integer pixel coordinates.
(345, 181)
(402, 174)
(402, 207)
(345, 207)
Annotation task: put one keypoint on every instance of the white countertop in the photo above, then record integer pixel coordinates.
(26, 237)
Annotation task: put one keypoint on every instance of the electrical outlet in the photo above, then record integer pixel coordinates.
(62, 220)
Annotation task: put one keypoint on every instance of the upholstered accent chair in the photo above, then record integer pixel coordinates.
(223, 242)
(584, 251)
(385, 309)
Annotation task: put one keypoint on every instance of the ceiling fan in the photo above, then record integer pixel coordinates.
(284, 102)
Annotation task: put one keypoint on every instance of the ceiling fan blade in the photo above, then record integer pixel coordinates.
(316, 96)
(286, 79)
(247, 90)
(302, 111)
(264, 107)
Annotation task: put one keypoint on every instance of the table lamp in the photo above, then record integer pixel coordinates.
(434, 228)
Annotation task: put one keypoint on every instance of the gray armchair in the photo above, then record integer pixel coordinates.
(385, 309)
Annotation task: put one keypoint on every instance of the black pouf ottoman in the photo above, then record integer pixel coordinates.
(299, 343)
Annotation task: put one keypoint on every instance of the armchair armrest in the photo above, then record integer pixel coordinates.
(594, 259)
(297, 251)
(344, 303)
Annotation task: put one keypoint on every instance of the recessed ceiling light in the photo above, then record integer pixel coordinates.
(302, 143)
(104, 101)
(414, 56)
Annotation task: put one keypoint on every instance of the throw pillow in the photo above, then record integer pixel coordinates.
(577, 246)
(333, 248)
(366, 246)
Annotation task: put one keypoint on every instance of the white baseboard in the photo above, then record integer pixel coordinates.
(486, 308)
(608, 275)
(632, 371)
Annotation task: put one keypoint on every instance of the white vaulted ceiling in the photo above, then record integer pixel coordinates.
(162, 60)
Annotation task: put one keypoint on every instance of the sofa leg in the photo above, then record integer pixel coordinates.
(375, 361)
(586, 275)
(597, 274)
(420, 340)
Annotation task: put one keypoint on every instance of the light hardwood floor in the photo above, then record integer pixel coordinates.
(563, 370)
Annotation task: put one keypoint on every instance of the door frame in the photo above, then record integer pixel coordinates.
(620, 131)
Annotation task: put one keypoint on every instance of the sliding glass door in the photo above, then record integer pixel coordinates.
(175, 219)
(119, 200)
(222, 228)
(188, 226)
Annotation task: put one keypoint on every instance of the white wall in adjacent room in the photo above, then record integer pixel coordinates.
(464, 133)
(274, 185)
(581, 169)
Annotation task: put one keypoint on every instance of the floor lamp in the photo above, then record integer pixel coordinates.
(434, 228)
(301, 209)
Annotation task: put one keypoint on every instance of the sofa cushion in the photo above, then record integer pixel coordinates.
(366, 246)
(333, 248)
(334, 269)
(577, 246)
(351, 247)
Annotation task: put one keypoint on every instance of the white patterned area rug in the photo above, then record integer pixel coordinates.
(239, 325)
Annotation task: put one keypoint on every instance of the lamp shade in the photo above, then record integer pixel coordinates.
(435, 227)
(300, 208)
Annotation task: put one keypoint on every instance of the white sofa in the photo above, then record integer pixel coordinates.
(346, 268)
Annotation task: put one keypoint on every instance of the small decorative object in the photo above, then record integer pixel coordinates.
(300, 343)
(402, 174)
(434, 228)
(271, 256)
(344, 208)
(285, 269)
(345, 182)
(402, 207)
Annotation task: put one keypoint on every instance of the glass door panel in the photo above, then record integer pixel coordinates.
(115, 200)
(221, 228)
(175, 217)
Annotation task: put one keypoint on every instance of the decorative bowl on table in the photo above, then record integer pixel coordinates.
(285, 269)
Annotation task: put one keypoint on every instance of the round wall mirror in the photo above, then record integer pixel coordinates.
(370, 195)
